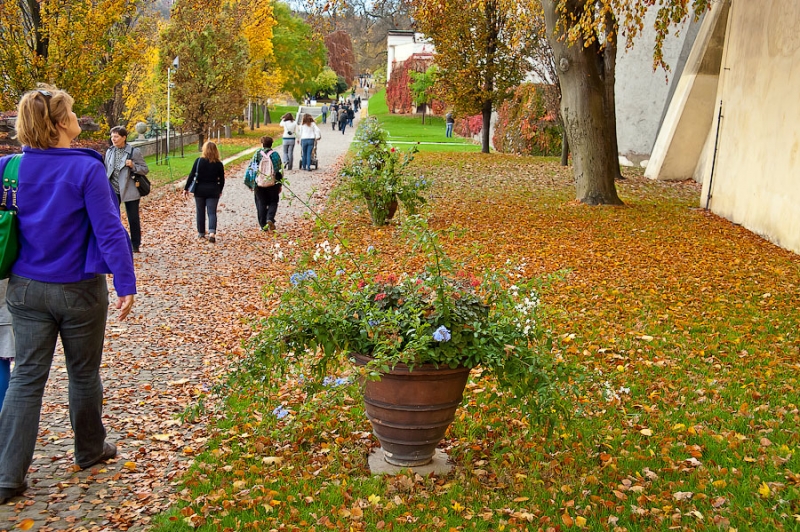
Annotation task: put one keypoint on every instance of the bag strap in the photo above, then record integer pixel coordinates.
(10, 176)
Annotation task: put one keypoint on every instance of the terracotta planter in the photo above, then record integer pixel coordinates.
(411, 410)
(381, 212)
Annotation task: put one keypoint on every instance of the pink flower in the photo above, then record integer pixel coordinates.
(380, 296)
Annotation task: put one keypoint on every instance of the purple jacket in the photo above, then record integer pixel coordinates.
(69, 225)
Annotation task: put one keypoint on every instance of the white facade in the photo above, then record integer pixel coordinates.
(747, 154)
(401, 44)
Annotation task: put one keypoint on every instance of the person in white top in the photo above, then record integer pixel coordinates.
(308, 134)
(289, 136)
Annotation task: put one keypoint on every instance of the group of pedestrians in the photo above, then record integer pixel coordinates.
(342, 115)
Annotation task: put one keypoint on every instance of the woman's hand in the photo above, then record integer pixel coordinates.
(185, 193)
(124, 304)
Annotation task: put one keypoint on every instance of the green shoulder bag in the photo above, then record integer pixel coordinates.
(9, 239)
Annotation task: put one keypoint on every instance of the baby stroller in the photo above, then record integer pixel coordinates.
(314, 161)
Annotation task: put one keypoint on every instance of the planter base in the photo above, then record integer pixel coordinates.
(439, 465)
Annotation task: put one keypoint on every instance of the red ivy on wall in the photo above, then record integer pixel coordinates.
(525, 126)
(398, 92)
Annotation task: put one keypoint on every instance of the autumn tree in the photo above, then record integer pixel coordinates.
(422, 84)
(210, 83)
(86, 47)
(298, 51)
(340, 55)
(585, 35)
(479, 51)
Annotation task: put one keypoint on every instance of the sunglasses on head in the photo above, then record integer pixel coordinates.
(47, 95)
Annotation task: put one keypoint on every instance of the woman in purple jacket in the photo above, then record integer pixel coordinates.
(70, 236)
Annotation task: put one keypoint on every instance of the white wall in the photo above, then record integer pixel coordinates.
(641, 93)
(756, 178)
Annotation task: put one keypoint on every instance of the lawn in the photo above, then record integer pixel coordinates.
(681, 333)
(409, 129)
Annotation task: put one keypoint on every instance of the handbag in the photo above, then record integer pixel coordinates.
(9, 239)
(193, 178)
(142, 184)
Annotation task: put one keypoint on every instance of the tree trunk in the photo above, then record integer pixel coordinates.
(486, 114)
(564, 148)
(588, 111)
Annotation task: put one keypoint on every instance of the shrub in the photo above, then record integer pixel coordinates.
(525, 126)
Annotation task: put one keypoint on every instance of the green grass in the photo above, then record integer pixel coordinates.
(409, 128)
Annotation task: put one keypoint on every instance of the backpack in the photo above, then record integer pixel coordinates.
(266, 171)
(250, 174)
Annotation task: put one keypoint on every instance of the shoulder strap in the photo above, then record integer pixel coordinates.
(10, 176)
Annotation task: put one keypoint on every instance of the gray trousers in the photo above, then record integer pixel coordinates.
(41, 313)
(288, 153)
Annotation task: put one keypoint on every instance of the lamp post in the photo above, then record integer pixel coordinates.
(175, 64)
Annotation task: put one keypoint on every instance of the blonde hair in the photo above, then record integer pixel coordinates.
(38, 113)
(211, 152)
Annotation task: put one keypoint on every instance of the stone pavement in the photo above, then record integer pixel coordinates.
(172, 350)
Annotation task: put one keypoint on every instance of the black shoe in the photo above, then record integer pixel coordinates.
(109, 452)
(211, 238)
(6, 494)
(271, 225)
(136, 250)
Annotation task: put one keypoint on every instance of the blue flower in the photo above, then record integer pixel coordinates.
(442, 334)
(373, 323)
(280, 412)
(339, 272)
(371, 249)
(310, 274)
(339, 381)
(295, 278)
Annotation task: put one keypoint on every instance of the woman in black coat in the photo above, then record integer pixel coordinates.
(206, 181)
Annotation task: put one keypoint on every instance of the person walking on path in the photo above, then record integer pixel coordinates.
(334, 116)
(58, 285)
(267, 198)
(449, 121)
(350, 115)
(208, 178)
(309, 133)
(289, 135)
(122, 161)
(342, 119)
(6, 342)
(324, 113)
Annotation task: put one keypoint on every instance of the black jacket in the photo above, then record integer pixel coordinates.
(210, 178)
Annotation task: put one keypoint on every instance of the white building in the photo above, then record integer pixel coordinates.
(732, 122)
(402, 44)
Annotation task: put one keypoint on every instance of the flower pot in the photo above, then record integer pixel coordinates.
(381, 211)
(410, 410)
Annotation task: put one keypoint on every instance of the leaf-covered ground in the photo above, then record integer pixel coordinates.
(685, 330)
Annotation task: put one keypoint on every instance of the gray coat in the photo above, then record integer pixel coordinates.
(127, 188)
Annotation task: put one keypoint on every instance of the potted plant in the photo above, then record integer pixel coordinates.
(414, 336)
(378, 175)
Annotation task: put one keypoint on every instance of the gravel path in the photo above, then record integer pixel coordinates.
(193, 308)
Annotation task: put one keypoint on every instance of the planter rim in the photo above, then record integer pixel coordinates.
(400, 368)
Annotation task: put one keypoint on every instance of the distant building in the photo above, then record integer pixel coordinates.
(402, 44)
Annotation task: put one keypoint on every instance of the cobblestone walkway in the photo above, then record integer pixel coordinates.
(173, 348)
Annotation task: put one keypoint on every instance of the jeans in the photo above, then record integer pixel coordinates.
(134, 224)
(324, 118)
(306, 147)
(201, 206)
(266, 205)
(288, 153)
(449, 130)
(41, 313)
(5, 374)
